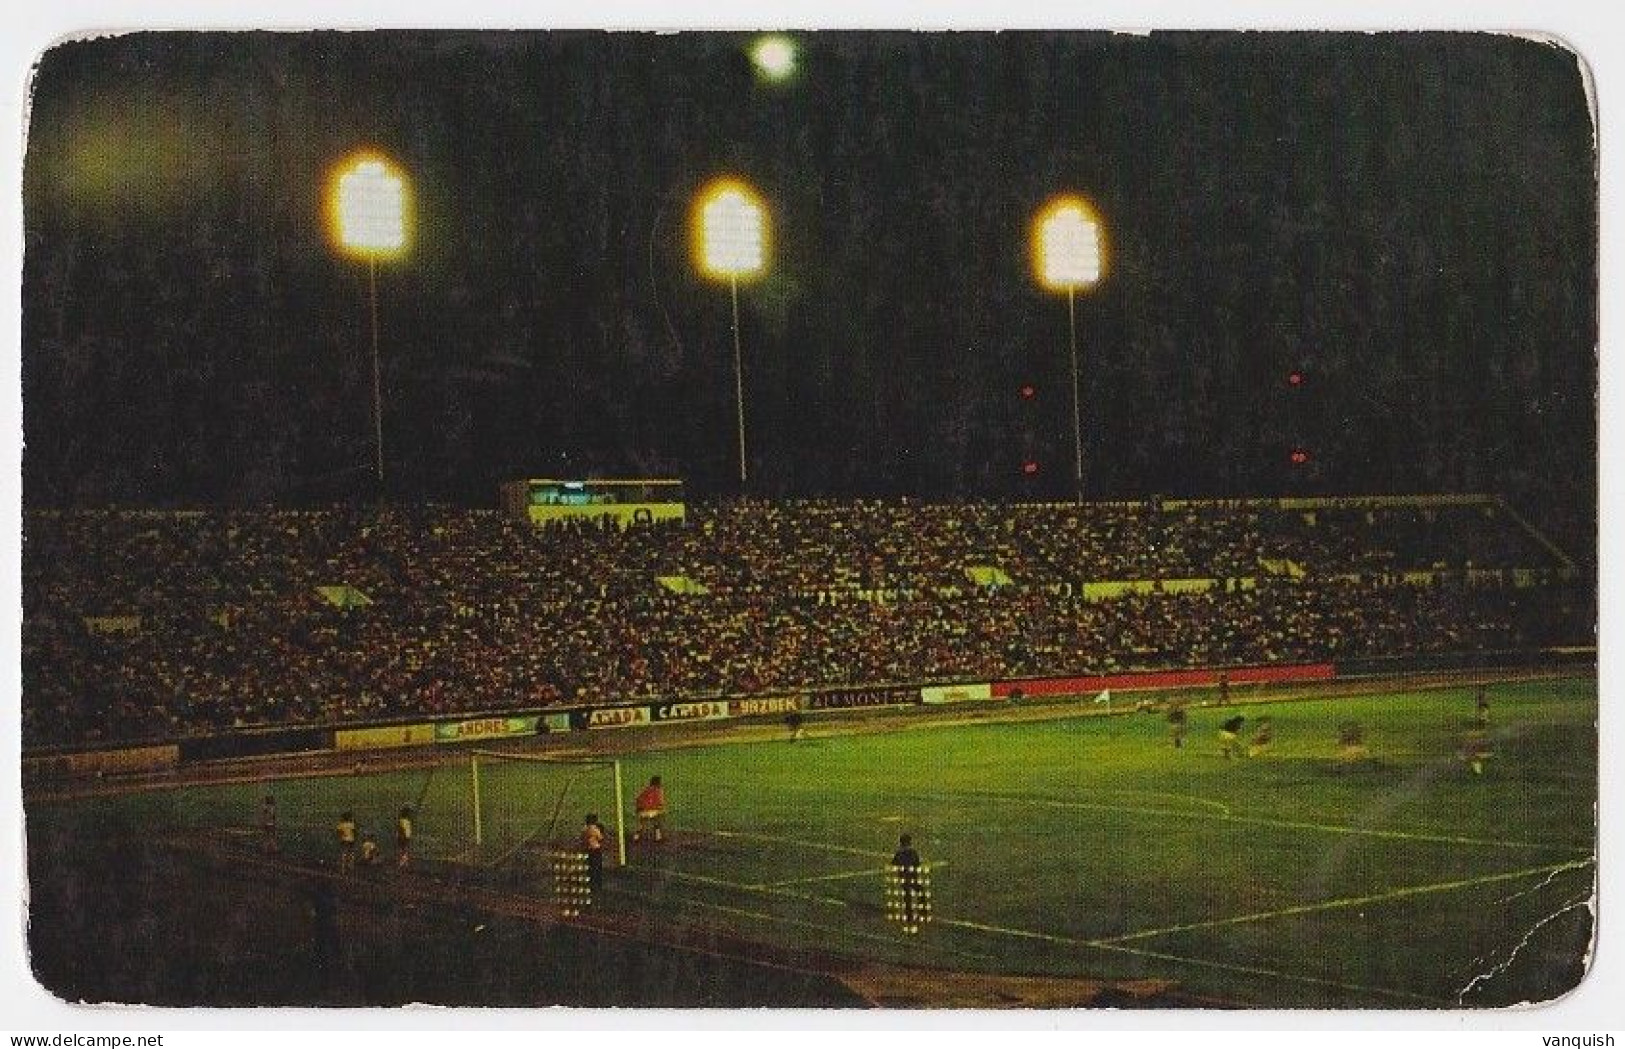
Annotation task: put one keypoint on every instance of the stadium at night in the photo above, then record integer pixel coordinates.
(843, 519)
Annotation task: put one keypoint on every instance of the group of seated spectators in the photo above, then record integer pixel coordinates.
(146, 625)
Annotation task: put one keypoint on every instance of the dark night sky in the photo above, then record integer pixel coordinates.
(1407, 220)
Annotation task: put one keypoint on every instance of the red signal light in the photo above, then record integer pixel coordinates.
(1299, 457)
(1029, 467)
(1028, 391)
(1295, 379)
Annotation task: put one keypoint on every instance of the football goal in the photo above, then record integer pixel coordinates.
(529, 802)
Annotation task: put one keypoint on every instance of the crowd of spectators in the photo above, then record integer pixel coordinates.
(158, 625)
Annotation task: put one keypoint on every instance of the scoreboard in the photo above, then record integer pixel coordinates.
(626, 502)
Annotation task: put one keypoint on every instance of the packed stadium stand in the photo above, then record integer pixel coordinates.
(158, 625)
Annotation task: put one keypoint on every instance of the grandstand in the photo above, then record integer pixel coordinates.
(147, 626)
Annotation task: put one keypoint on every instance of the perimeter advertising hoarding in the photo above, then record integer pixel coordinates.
(485, 728)
(849, 698)
(125, 759)
(617, 717)
(386, 736)
(935, 694)
(745, 708)
(703, 710)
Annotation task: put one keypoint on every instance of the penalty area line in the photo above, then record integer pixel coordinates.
(837, 930)
(1026, 934)
(739, 886)
(1207, 803)
(802, 842)
(1349, 901)
(839, 876)
(1204, 963)
(783, 919)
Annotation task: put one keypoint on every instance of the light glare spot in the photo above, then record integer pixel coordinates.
(775, 56)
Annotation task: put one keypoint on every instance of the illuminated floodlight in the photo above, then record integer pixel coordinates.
(775, 57)
(369, 207)
(1068, 255)
(730, 228)
(1066, 245)
(368, 212)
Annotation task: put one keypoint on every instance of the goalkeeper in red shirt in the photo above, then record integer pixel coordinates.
(651, 809)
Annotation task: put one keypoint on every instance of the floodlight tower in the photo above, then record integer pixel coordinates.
(367, 218)
(730, 241)
(1067, 256)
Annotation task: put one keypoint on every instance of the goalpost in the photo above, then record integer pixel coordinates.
(518, 800)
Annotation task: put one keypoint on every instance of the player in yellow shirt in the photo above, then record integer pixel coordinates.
(403, 838)
(1475, 750)
(1263, 736)
(346, 832)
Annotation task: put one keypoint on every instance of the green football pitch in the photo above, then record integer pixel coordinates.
(1084, 847)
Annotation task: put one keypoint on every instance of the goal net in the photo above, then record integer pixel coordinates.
(528, 804)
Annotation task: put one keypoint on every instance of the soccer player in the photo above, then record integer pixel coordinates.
(1262, 738)
(1481, 707)
(906, 867)
(592, 843)
(796, 722)
(651, 809)
(1176, 723)
(1228, 731)
(268, 840)
(369, 851)
(403, 838)
(346, 835)
(1351, 742)
(1475, 750)
(1224, 688)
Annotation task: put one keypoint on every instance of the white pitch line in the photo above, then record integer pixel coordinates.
(1206, 802)
(822, 845)
(1256, 970)
(1251, 970)
(739, 886)
(1065, 941)
(1263, 821)
(835, 929)
(841, 876)
(1348, 901)
(872, 872)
